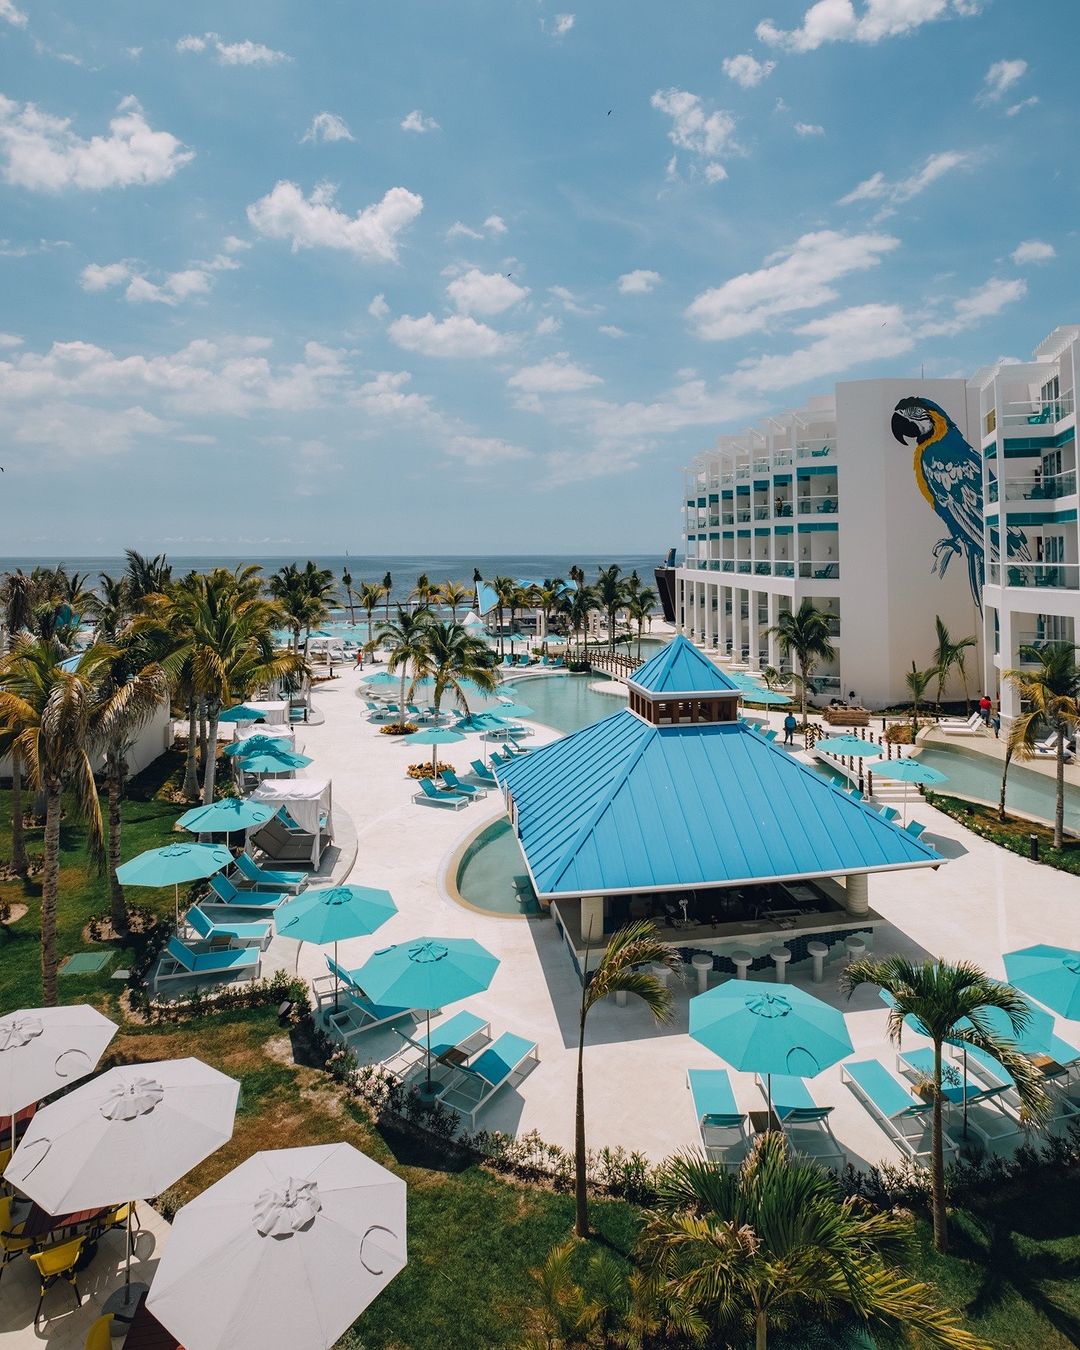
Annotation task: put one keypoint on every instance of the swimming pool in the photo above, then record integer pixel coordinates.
(978, 777)
(564, 702)
(491, 874)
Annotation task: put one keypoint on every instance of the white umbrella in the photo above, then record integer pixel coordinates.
(127, 1135)
(286, 1251)
(43, 1049)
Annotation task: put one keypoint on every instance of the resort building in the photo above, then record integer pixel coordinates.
(1027, 434)
(844, 503)
(676, 809)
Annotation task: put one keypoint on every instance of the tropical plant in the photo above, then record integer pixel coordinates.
(918, 681)
(640, 610)
(110, 607)
(453, 594)
(304, 596)
(949, 655)
(775, 1246)
(611, 593)
(583, 602)
(948, 1003)
(450, 657)
(624, 968)
(1050, 698)
(346, 581)
(146, 576)
(369, 597)
(407, 641)
(549, 598)
(804, 635)
(16, 595)
(387, 587)
(504, 588)
(425, 592)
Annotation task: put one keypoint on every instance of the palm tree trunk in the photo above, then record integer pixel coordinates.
(802, 689)
(210, 772)
(1059, 803)
(1004, 780)
(49, 886)
(581, 1194)
(761, 1330)
(202, 735)
(191, 770)
(114, 787)
(937, 1161)
(20, 863)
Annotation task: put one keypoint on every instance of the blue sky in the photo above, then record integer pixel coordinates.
(480, 275)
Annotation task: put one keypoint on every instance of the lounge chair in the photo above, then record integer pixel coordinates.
(771, 734)
(179, 962)
(984, 1067)
(984, 1111)
(914, 828)
(227, 934)
(356, 1014)
(504, 1063)
(262, 878)
(439, 796)
(889, 813)
(904, 1117)
(483, 774)
(973, 726)
(1047, 748)
(413, 711)
(805, 1124)
(721, 1124)
(281, 843)
(459, 1036)
(450, 778)
(223, 892)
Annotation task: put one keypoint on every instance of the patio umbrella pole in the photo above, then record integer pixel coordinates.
(768, 1093)
(337, 983)
(427, 1014)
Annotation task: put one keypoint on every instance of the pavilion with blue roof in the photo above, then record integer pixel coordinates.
(676, 806)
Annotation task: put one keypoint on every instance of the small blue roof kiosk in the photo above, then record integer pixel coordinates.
(673, 809)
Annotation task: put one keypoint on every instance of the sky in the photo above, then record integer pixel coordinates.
(474, 276)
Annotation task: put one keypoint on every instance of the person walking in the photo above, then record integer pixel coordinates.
(789, 729)
(985, 707)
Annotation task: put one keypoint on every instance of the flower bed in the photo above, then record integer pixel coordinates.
(424, 770)
(398, 729)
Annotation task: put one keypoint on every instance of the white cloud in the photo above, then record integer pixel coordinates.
(809, 129)
(457, 336)
(746, 70)
(984, 302)
(612, 331)
(558, 376)
(133, 52)
(379, 309)
(840, 21)
(561, 24)
(327, 126)
(10, 14)
(569, 300)
(387, 395)
(878, 188)
(10, 340)
(416, 121)
(246, 53)
(548, 324)
(495, 225)
(1019, 107)
(638, 282)
(480, 452)
(705, 134)
(800, 277)
(234, 244)
(485, 293)
(42, 153)
(1000, 78)
(176, 287)
(95, 277)
(459, 230)
(315, 221)
(1033, 251)
(840, 340)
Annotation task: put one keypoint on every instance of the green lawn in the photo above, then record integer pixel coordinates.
(474, 1237)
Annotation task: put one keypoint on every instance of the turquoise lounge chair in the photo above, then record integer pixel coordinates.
(483, 774)
(180, 962)
(914, 828)
(904, 1117)
(721, 1125)
(985, 1112)
(450, 778)
(804, 1123)
(263, 877)
(227, 894)
(889, 813)
(464, 1034)
(987, 1069)
(771, 734)
(227, 934)
(505, 1063)
(439, 796)
(356, 1014)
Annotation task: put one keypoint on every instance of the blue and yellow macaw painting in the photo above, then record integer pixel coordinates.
(949, 476)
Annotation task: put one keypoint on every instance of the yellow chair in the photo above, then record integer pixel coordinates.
(99, 1337)
(11, 1243)
(58, 1263)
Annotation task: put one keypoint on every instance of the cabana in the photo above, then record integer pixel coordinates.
(274, 710)
(307, 802)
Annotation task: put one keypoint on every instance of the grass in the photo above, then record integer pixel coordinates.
(1012, 833)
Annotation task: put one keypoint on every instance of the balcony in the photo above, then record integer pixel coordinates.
(1041, 576)
(1029, 644)
(762, 568)
(783, 509)
(784, 569)
(761, 512)
(817, 449)
(1037, 412)
(727, 565)
(1038, 488)
(820, 570)
(742, 515)
(742, 565)
(781, 458)
(825, 504)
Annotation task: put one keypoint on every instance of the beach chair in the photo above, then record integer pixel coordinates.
(505, 1063)
(771, 734)
(987, 1069)
(805, 1124)
(179, 962)
(721, 1125)
(459, 1036)
(430, 794)
(262, 878)
(1047, 748)
(985, 1111)
(223, 892)
(450, 778)
(281, 843)
(973, 726)
(914, 828)
(483, 774)
(889, 813)
(904, 1117)
(356, 1014)
(227, 934)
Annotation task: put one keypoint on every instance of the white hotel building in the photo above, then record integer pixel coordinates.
(884, 504)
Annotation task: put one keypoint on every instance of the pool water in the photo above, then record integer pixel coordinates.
(492, 875)
(565, 702)
(979, 778)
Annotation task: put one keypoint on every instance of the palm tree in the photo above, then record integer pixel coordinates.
(425, 592)
(1050, 695)
(50, 712)
(804, 635)
(918, 681)
(1019, 744)
(948, 1003)
(369, 597)
(450, 656)
(611, 592)
(305, 596)
(453, 594)
(640, 610)
(387, 587)
(504, 588)
(949, 656)
(146, 576)
(548, 598)
(17, 605)
(346, 581)
(583, 602)
(775, 1245)
(407, 638)
(623, 969)
(110, 607)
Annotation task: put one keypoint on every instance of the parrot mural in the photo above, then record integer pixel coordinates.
(949, 476)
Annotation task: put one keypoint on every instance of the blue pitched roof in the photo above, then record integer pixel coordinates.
(679, 668)
(626, 806)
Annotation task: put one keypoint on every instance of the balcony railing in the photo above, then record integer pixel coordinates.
(820, 571)
(816, 449)
(783, 509)
(742, 515)
(761, 512)
(763, 568)
(1037, 412)
(781, 457)
(784, 569)
(742, 565)
(1046, 576)
(826, 504)
(727, 565)
(1028, 644)
(728, 519)
(1040, 487)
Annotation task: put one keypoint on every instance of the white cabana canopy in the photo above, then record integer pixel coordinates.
(308, 802)
(278, 730)
(273, 709)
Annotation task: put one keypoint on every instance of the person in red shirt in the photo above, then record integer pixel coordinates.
(985, 707)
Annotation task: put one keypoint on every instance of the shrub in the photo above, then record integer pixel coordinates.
(424, 770)
(398, 729)
(898, 733)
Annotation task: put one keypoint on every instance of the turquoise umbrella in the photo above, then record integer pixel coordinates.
(381, 677)
(849, 745)
(1050, 974)
(482, 721)
(426, 973)
(242, 713)
(273, 745)
(266, 761)
(910, 771)
(758, 693)
(511, 710)
(174, 866)
(225, 817)
(434, 737)
(769, 1029)
(332, 914)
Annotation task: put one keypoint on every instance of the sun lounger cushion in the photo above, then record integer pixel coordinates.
(500, 1060)
(714, 1101)
(792, 1102)
(230, 932)
(454, 1032)
(227, 894)
(889, 1095)
(222, 962)
(250, 870)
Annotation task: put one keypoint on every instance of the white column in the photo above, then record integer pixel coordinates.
(857, 894)
(592, 918)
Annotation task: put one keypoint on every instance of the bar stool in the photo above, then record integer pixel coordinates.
(856, 947)
(742, 961)
(817, 951)
(703, 964)
(781, 955)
